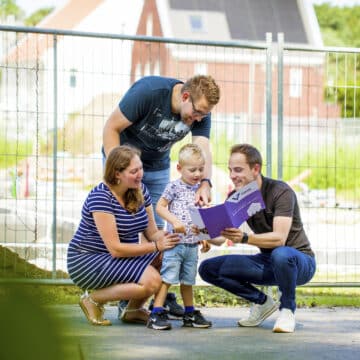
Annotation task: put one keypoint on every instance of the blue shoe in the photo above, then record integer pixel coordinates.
(173, 309)
(158, 321)
(196, 319)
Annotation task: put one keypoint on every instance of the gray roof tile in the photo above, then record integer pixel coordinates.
(251, 19)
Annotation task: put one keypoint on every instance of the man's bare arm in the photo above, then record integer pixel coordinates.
(203, 195)
(115, 124)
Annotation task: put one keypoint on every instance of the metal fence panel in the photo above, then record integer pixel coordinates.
(57, 89)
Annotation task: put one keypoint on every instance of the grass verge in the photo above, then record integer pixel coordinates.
(210, 296)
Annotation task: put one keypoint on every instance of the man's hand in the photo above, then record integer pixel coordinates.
(205, 246)
(233, 234)
(203, 194)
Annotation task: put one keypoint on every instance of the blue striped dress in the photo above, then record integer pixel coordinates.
(90, 265)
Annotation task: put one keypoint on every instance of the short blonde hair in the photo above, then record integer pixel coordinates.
(189, 151)
(202, 85)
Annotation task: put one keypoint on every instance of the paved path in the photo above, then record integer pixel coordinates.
(321, 333)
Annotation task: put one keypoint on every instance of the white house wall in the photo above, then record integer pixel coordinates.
(19, 101)
(101, 66)
(104, 65)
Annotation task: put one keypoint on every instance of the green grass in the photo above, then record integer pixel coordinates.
(328, 297)
(211, 296)
(305, 297)
(332, 166)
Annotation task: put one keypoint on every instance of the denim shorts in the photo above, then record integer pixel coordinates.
(179, 264)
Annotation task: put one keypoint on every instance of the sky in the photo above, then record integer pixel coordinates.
(30, 6)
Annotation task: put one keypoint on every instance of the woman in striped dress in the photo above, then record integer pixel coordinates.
(105, 254)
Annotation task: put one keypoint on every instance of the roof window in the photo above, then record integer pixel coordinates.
(196, 23)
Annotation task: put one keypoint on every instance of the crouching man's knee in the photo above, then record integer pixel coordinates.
(204, 271)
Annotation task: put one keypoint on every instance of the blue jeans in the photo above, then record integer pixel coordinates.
(285, 267)
(156, 182)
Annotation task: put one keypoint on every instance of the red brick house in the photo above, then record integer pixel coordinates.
(240, 72)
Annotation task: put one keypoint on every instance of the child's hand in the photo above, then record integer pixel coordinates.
(179, 227)
(195, 230)
(205, 246)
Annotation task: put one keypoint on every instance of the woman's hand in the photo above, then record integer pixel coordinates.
(167, 241)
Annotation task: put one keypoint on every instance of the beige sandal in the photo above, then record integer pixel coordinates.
(98, 319)
(134, 320)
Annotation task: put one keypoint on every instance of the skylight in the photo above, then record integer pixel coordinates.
(196, 23)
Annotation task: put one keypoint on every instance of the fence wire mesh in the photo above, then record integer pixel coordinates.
(58, 88)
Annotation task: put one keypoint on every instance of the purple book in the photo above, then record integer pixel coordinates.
(232, 213)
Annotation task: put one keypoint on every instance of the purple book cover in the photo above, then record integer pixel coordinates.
(233, 212)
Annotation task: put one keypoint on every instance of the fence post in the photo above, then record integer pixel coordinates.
(268, 103)
(280, 71)
(54, 211)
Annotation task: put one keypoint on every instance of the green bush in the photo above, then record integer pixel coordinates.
(12, 151)
(332, 167)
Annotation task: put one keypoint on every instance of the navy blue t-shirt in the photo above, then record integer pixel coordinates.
(147, 104)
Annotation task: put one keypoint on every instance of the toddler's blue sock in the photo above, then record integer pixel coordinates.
(157, 309)
(189, 309)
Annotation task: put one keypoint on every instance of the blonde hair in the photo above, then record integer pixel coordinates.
(189, 151)
(200, 85)
(117, 161)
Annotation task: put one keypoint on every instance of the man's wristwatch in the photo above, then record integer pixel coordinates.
(208, 180)
(245, 238)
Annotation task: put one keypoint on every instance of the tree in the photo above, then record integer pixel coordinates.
(37, 16)
(340, 27)
(9, 7)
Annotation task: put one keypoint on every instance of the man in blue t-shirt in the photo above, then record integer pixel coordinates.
(155, 113)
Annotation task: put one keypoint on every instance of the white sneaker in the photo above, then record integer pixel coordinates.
(258, 313)
(285, 322)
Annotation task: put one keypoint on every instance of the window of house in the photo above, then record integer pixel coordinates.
(196, 23)
(156, 68)
(73, 78)
(201, 69)
(295, 83)
(149, 26)
(147, 69)
(138, 72)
